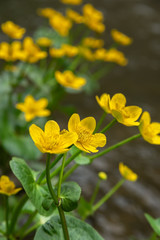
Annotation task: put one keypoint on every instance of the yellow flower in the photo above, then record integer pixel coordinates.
(120, 37)
(46, 12)
(33, 108)
(72, 2)
(117, 107)
(13, 30)
(12, 52)
(68, 79)
(113, 55)
(69, 50)
(127, 173)
(33, 52)
(57, 53)
(149, 131)
(100, 54)
(86, 53)
(7, 187)
(51, 140)
(74, 16)
(44, 42)
(93, 42)
(61, 24)
(102, 175)
(87, 141)
(104, 102)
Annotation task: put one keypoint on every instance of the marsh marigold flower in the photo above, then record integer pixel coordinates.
(102, 175)
(149, 131)
(127, 173)
(69, 50)
(57, 52)
(117, 107)
(12, 30)
(52, 140)
(93, 42)
(61, 24)
(87, 141)
(33, 108)
(74, 16)
(113, 55)
(7, 187)
(44, 42)
(46, 12)
(72, 2)
(120, 37)
(33, 52)
(68, 79)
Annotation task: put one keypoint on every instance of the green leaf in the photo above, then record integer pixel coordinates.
(70, 194)
(82, 160)
(77, 229)
(35, 192)
(155, 223)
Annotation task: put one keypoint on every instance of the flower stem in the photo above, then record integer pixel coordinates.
(100, 121)
(16, 213)
(56, 200)
(114, 146)
(95, 192)
(43, 174)
(69, 172)
(6, 214)
(61, 177)
(108, 195)
(108, 126)
(66, 163)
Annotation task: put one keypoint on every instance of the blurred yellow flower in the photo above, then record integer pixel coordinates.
(12, 30)
(33, 108)
(100, 54)
(93, 42)
(87, 141)
(149, 131)
(12, 52)
(127, 173)
(60, 24)
(69, 50)
(86, 53)
(93, 18)
(102, 175)
(68, 79)
(33, 52)
(46, 12)
(72, 2)
(74, 16)
(120, 37)
(51, 140)
(57, 53)
(7, 187)
(117, 107)
(44, 42)
(113, 55)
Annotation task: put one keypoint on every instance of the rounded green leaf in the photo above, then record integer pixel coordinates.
(35, 192)
(70, 194)
(78, 230)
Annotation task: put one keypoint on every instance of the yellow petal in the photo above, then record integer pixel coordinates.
(81, 147)
(118, 101)
(98, 140)
(89, 124)
(133, 112)
(42, 103)
(51, 128)
(104, 102)
(21, 107)
(67, 139)
(43, 113)
(36, 134)
(73, 122)
(29, 116)
(29, 100)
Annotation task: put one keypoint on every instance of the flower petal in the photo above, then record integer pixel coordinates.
(104, 102)
(133, 112)
(73, 122)
(67, 139)
(81, 147)
(118, 101)
(42, 103)
(98, 140)
(51, 128)
(89, 124)
(36, 134)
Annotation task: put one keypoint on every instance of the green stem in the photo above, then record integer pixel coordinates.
(114, 146)
(61, 176)
(43, 174)
(100, 121)
(6, 214)
(56, 200)
(16, 213)
(49, 180)
(109, 126)
(66, 163)
(69, 172)
(95, 192)
(108, 195)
